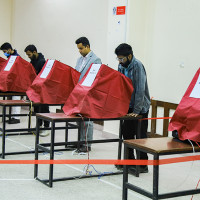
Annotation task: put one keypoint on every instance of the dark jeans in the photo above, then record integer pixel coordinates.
(129, 131)
(42, 109)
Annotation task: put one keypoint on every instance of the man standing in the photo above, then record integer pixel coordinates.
(9, 51)
(140, 99)
(82, 65)
(38, 61)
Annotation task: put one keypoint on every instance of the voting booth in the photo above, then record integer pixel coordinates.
(53, 84)
(17, 75)
(2, 63)
(102, 93)
(186, 119)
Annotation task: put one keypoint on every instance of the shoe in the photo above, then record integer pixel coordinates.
(142, 169)
(119, 167)
(83, 149)
(44, 133)
(13, 121)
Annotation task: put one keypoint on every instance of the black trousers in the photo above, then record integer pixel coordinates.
(42, 109)
(129, 131)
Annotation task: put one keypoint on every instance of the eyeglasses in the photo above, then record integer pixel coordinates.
(120, 59)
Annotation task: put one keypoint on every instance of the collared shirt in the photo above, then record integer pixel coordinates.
(140, 99)
(84, 61)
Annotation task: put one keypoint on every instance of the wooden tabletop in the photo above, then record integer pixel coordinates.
(64, 118)
(16, 103)
(161, 145)
(22, 103)
(12, 93)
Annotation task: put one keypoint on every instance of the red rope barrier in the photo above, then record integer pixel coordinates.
(106, 162)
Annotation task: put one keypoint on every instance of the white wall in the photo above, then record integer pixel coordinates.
(169, 44)
(165, 37)
(116, 35)
(54, 25)
(5, 22)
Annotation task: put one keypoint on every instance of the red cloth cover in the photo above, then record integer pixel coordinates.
(108, 96)
(56, 86)
(18, 77)
(186, 119)
(2, 63)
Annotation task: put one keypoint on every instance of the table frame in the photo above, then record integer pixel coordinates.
(20, 131)
(61, 117)
(147, 146)
(11, 94)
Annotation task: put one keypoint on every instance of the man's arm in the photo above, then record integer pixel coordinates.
(139, 87)
(98, 61)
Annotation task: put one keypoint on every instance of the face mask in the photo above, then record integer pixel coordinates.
(6, 54)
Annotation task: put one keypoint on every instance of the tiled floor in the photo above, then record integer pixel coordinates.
(17, 182)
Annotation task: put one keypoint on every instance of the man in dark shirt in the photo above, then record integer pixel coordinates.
(9, 51)
(38, 61)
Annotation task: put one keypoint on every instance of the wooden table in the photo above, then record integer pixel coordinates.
(61, 117)
(17, 131)
(157, 147)
(9, 96)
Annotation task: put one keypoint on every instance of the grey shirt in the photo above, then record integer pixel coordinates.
(83, 67)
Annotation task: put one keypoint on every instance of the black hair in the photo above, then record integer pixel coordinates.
(83, 40)
(124, 50)
(6, 46)
(30, 48)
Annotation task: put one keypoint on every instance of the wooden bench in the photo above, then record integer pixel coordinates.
(155, 104)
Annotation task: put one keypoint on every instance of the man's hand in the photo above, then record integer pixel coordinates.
(132, 114)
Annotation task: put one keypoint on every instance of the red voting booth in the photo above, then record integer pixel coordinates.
(16, 75)
(102, 93)
(53, 84)
(2, 63)
(186, 119)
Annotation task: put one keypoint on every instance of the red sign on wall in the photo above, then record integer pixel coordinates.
(121, 10)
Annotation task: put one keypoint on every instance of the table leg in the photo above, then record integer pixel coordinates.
(79, 133)
(52, 154)
(155, 178)
(138, 136)
(36, 147)
(66, 133)
(3, 132)
(125, 175)
(120, 141)
(29, 117)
